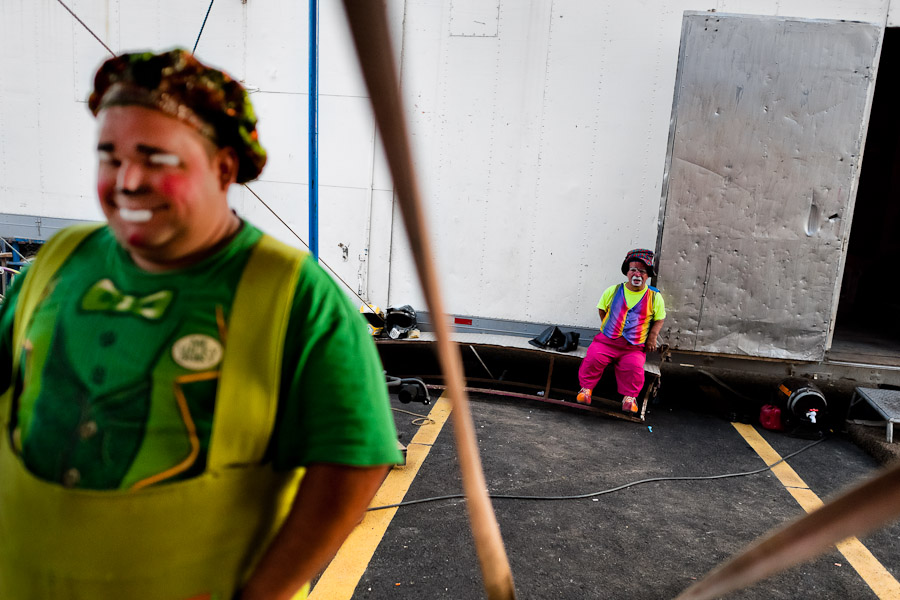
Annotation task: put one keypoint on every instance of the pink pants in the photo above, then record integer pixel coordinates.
(627, 358)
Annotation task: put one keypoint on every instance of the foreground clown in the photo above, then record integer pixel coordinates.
(632, 316)
(191, 409)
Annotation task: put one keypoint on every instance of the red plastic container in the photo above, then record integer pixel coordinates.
(770, 417)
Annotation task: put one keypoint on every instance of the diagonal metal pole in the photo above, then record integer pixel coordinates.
(861, 510)
(368, 24)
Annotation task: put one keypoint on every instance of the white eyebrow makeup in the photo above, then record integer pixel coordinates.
(164, 159)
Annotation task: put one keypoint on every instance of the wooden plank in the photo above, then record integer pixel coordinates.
(549, 377)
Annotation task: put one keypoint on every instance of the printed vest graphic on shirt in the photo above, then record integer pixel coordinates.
(119, 395)
(120, 371)
(633, 324)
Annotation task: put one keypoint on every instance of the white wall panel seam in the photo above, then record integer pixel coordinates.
(534, 221)
(489, 190)
(589, 227)
(401, 72)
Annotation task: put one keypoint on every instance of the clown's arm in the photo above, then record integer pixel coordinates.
(651, 344)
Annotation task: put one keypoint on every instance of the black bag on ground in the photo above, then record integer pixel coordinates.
(571, 341)
(551, 337)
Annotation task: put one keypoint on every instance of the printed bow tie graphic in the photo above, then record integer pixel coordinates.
(104, 296)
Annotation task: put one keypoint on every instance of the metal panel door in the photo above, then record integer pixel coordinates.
(768, 123)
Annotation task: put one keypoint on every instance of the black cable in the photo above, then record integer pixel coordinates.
(202, 26)
(726, 386)
(609, 491)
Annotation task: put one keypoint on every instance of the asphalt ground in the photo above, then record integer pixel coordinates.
(648, 541)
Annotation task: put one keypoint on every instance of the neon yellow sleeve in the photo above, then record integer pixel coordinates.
(659, 307)
(606, 298)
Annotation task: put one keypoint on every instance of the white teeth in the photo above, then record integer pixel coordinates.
(135, 216)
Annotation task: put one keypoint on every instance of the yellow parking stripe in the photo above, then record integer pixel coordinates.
(340, 579)
(873, 572)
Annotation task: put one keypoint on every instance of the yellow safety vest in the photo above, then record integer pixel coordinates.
(193, 539)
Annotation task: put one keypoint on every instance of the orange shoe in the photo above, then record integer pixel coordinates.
(629, 404)
(584, 396)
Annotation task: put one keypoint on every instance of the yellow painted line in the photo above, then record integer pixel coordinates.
(340, 579)
(873, 572)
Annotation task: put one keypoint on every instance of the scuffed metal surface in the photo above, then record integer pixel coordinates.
(768, 125)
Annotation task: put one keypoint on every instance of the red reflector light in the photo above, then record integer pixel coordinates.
(459, 321)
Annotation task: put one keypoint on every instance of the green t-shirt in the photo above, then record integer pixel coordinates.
(119, 378)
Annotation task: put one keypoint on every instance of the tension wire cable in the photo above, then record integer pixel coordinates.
(608, 491)
(86, 27)
(275, 214)
(13, 248)
(202, 26)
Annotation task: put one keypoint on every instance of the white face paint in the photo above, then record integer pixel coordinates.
(636, 281)
(166, 160)
(135, 216)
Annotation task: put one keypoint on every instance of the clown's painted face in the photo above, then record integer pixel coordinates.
(637, 276)
(161, 185)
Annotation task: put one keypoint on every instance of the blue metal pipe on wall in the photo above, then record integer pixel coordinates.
(314, 128)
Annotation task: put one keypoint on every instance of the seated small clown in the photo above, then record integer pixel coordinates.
(631, 315)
